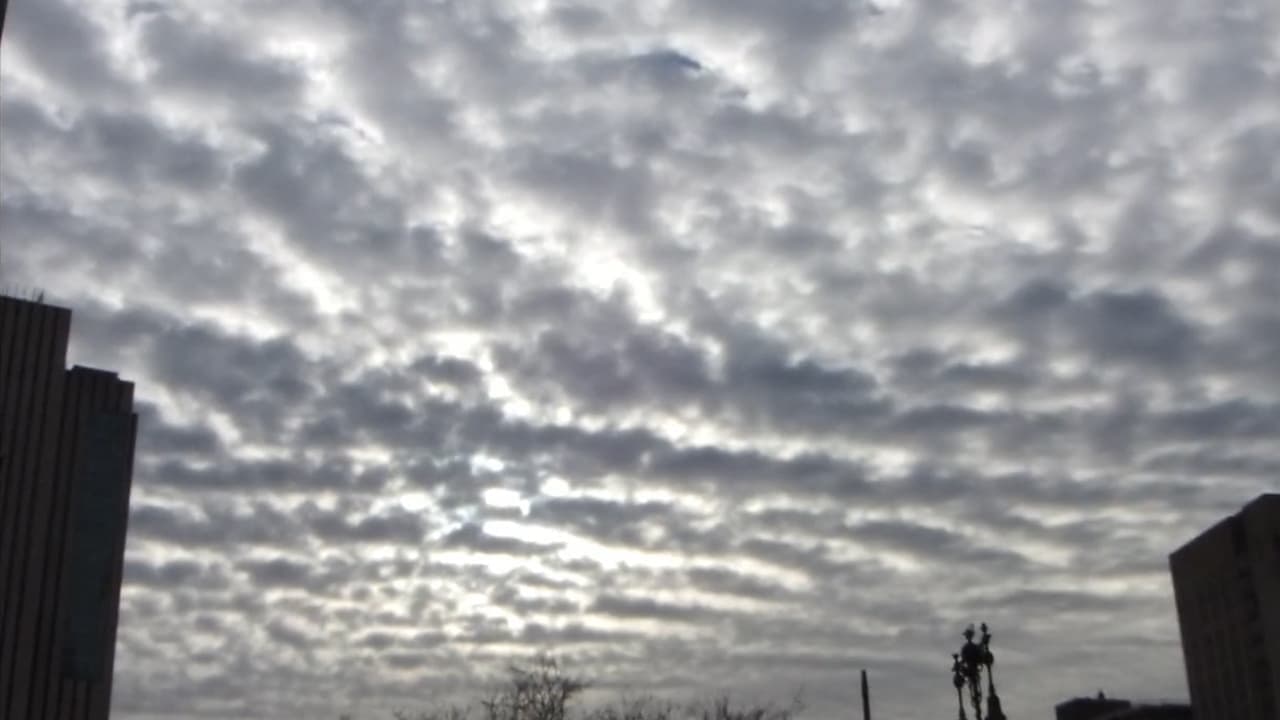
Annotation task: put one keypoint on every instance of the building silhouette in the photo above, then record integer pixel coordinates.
(1086, 708)
(66, 461)
(1105, 708)
(1226, 584)
(1160, 711)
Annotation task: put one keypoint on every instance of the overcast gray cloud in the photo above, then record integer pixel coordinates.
(713, 345)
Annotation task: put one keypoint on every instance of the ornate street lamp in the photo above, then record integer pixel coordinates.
(966, 672)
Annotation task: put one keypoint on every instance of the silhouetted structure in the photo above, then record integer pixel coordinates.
(866, 698)
(1165, 711)
(967, 670)
(1085, 708)
(1226, 583)
(1105, 708)
(66, 459)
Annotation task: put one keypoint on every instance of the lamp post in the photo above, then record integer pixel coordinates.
(967, 668)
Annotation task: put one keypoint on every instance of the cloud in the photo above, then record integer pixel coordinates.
(721, 345)
(69, 49)
(190, 57)
(647, 609)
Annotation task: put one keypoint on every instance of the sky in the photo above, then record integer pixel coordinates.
(710, 345)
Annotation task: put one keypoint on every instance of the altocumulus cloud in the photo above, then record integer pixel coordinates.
(711, 344)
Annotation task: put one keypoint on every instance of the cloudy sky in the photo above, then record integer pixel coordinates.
(709, 344)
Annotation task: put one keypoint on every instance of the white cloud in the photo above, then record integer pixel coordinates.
(539, 324)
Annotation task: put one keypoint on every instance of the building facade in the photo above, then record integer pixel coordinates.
(1226, 585)
(66, 462)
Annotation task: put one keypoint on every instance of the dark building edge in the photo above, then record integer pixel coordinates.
(44, 411)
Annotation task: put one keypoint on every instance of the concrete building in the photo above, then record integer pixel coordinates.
(66, 462)
(1226, 584)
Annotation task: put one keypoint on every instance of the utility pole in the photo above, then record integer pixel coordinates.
(866, 698)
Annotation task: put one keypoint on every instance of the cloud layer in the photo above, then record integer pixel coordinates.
(712, 345)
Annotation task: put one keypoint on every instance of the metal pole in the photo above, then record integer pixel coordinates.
(866, 698)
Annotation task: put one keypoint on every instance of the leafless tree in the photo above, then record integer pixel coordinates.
(540, 691)
(641, 707)
(722, 708)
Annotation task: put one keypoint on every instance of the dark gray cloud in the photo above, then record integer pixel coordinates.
(174, 574)
(67, 46)
(649, 609)
(215, 525)
(188, 56)
(719, 345)
(278, 572)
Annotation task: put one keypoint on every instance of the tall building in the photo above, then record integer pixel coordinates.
(1226, 584)
(66, 462)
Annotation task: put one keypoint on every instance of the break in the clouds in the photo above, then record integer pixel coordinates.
(709, 344)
